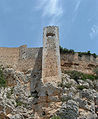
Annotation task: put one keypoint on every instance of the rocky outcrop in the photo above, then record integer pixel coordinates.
(28, 98)
(69, 110)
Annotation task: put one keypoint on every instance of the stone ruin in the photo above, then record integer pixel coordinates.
(46, 59)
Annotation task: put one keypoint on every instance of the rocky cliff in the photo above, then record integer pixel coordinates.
(27, 98)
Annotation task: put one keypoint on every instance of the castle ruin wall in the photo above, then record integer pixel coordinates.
(9, 56)
(46, 59)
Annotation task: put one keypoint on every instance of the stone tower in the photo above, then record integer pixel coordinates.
(51, 70)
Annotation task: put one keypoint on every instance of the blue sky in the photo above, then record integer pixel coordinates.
(22, 22)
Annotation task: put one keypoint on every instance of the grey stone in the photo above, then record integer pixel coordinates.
(69, 110)
(87, 93)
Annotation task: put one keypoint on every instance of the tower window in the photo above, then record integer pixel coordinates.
(50, 34)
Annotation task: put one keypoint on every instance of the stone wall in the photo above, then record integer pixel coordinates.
(29, 58)
(9, 56)
(84, 64)
(46, 59)
(23, 58)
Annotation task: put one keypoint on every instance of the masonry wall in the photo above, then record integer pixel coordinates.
(9, 56)
(23, 58)
(29, 58)
(84, 64)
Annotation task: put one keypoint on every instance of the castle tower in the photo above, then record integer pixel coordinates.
(51, 70)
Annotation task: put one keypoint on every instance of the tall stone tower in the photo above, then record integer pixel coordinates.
(51, 70)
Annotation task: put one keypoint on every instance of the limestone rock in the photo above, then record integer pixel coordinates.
(69, 110)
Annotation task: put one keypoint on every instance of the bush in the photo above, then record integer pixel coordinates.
(55, 117)
(94, 55)
(9, 93)
(81, 87)
(18, 103)
(2, 79)
(79, 75)
(80, 54)
(65, 50)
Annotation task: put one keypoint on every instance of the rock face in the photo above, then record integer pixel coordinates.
(25, 98)
(69, 110)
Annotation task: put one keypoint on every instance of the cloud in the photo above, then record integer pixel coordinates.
(77, 6)
(50, 8)
(76, 9)
(94, 32)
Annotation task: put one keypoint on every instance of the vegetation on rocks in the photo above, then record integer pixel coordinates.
(70, 98)
(79, 75)
(65, 50)
(88, 53)
(2, 79)
(55, 117)
(9, 93)
(81, 87)
(18, 103)
(80, 54)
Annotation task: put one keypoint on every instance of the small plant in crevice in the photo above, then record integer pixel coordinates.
(9, 93)
(55, 117)
(19, 103)
(3, 82)
(12, 90)
(81, 87)
(68, 85)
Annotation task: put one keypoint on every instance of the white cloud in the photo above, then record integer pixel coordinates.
(76, 9)
(50, 8)
(77, 5)
(94, 31)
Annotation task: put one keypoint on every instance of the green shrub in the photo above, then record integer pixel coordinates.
(55, 117)
(68, 85)
(12, 90)
(8, 95)
(94, 55)
(18, 103)
(79, 75)
(81, 87)
(80, 54)
(87, 53)
(2, 79)
(65, 50)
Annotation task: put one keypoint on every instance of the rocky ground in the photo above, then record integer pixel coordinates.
(24, 98)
